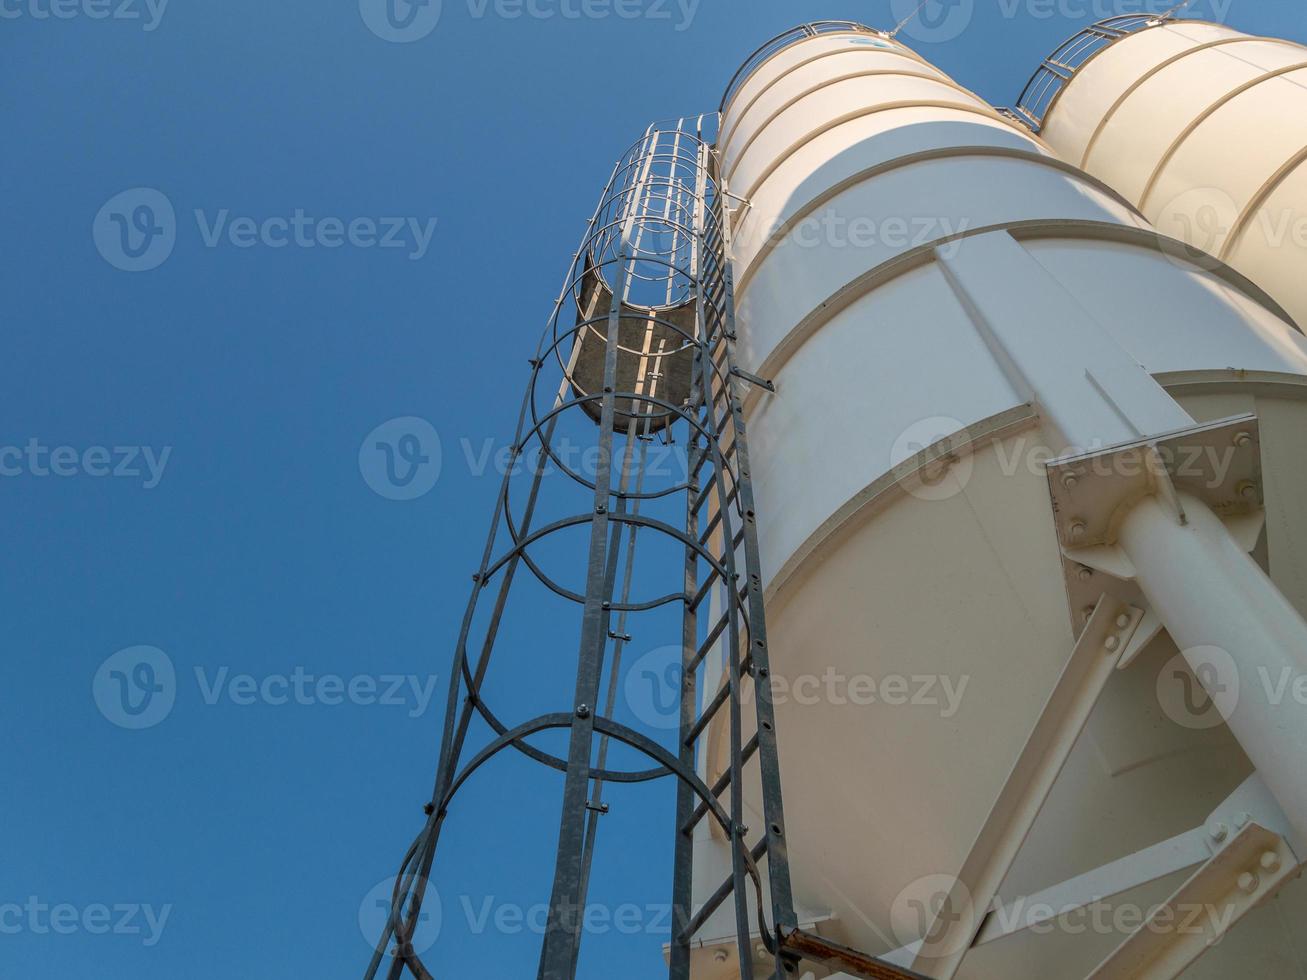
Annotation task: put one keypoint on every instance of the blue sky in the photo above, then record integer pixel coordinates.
(184, 473)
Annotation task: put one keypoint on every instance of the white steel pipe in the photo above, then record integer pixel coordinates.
(1241, 637)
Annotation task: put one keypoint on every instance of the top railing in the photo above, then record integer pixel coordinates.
(1048, 81)
(781, 41)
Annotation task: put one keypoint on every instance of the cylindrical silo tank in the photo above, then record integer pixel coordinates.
(943, 305)
(1203, 128)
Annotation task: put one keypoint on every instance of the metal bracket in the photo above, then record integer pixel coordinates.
(1238, 878)
(1252, 802)
(753, 379)
(1091, 493)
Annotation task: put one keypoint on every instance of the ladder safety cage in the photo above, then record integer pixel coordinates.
(639, 347)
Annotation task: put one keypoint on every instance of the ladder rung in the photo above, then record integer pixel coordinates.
(713, 633)
(720, 698)
(722, 782)
(719, 896)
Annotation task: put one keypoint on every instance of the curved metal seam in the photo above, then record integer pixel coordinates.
(1276, 384)
(888, 487)
(1203, 117)
(906, 53)
(726, 107)
(1057, 96)
(781, 41)
(979, 110)
(1255, 203)
(914, 258)
(1137, 83)
(824, 84)
(940, 153)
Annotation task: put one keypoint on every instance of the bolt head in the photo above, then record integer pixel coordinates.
(1112, 642)
(1084, 574)
(1270, 861)
(1069, 480)
(1122, 621)
(1247, 882)
(1242, 439)
(1218, 831)
(1077, 529)
(583, 711)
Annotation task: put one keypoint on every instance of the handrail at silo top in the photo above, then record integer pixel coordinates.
(1052, 76)
(784, 40)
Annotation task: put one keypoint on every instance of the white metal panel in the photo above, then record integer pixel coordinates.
(933, 200)
(836, 156)
(849, 389)
(1154, 301)
(796, 54)
(1110, 73)
(827, 107)
(748, 117)
(1205, 130)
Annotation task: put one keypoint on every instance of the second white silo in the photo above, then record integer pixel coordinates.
(1202, 127)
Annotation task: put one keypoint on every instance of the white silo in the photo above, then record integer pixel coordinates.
(1202, 127)
(943, 305)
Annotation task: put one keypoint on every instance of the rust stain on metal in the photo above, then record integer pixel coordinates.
(829, 953)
